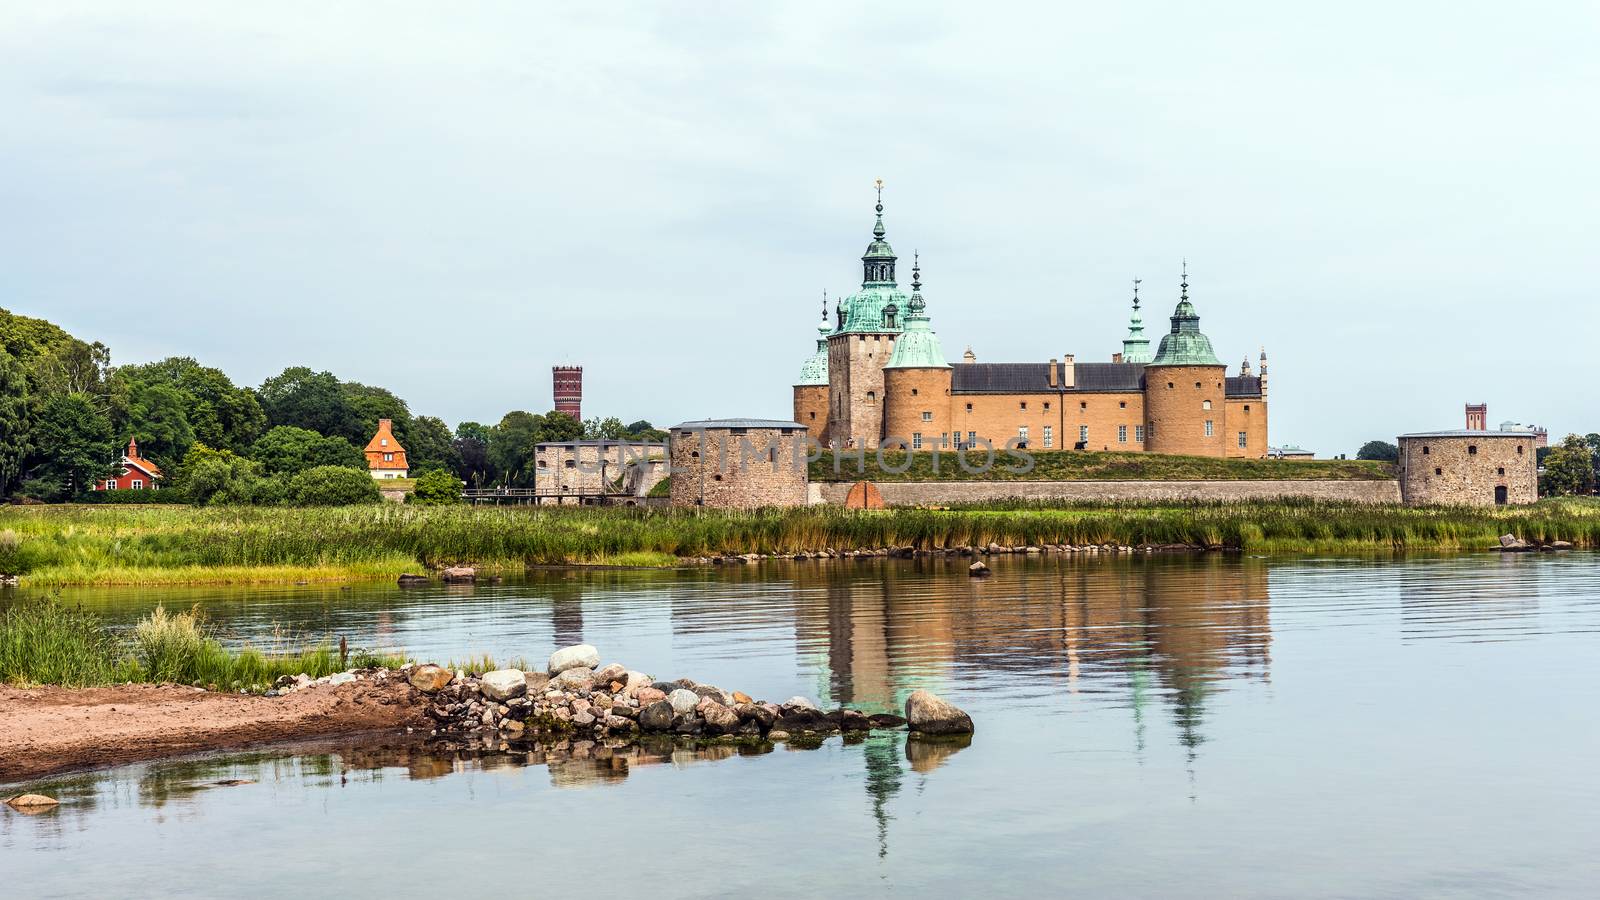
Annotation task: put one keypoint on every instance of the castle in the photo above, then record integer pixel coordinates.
(879, 373)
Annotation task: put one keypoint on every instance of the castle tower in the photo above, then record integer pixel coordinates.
(868, 324)
(916, 380)
(568, 383)
(1136, 347)
(811, 390)
(1185, 388)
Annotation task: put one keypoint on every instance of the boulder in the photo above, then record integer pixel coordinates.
(578, 656)
(648, 695)
(656, 717)
(741, 697)
(1509, 540)
(718, 718)
(503, 684)
(430, 678)
(513, 729)
(339, 678)
(978, 570)
(927, 713)
(885, 720)
(634, 681)
(613, 672)
(760, 715)
(576, 679)
(410, 580)
(31, 802)
(620, 724)
(683, 701)
(854, 720)
(537, 682)
(715, 693)
(800, 702)
(1560, 545)
(460, 575)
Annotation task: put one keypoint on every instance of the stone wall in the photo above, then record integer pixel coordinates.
(855, 400)
(912, 493)
(739, 468)
(584, 467)
(1466, 470)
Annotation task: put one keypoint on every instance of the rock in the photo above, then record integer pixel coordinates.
(537, 682)
(760, 715)
(718, 718)
(620, 723)
(584, 718)
(342, 678)
(741, 697)
(512, 728)
(800, 702)
(683, 701)
(578, 679)
(885, 720)
(928, 714)
(777, 735)
(656, 717)
(634, 681)
(613, 672)
(430, 678)
(1509, 540)
(1560, 545)
(712, 691)
(583, 656)
(460, 575)
(978, 569)
(30, 802)
(410, 580)
(649, 695)
(503, 684)
(854, 720)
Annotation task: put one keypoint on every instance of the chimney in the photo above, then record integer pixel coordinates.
(1052, 375)
(1116, 357)
(1069, 375)
(969, 356)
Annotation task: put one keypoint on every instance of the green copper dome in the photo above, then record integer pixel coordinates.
(869, 308)
(815, 370)
(917, 347)
(1185, 345)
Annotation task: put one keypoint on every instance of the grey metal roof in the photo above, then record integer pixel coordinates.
(1243, 386)
(1467, 432)
(1034, 378)
(715, 424)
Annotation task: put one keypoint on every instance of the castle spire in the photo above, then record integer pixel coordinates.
(916, 304)
(1185, 345)
(1136, 347)
(917, 347)
(877, 265)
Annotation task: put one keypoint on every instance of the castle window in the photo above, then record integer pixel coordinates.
(872, 396)
(916, 440)
(1519, 450)
(813, 414)
(694, 454)
(1499, 471)
(1022, 405)
(1022, 437)
(1209, 428)
(861, 337)
(1205, 404)
(1169, 385)
(1244, 439)
(1083, 405)
(716, 478)
(1138, 434)
(969, 407)
(913, 392)
(1083, 434)
(1197, 384)
(1049, 437)
(972, 438)
(1122, 434)
(1122, 405)
(1438, 471)
(1424, 449)
(1047, 406)
(1247, 407)
(388, 457)
(1472, 449)
(572, 463)
(927, 416)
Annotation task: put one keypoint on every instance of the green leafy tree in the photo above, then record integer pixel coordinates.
(558, 426)
(208, 477)
(1383, 451)
(157, 419)
(471, 448)
(311, 400)
(72, 446)
(1569, 469)
(221, 414)
(511, 445)
(287, 450)
(367, 405)
(607, 429)
(332, 486)
(437, 488)
(15, 423)
(430, 446)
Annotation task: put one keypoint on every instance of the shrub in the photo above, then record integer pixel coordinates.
(332, 486)
(129, 498)
(43, 642)
(11, 562)
(167, 645)
(210, 477)
(437, 488)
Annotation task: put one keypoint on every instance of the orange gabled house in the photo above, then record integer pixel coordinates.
(134, 473)
(385, 457)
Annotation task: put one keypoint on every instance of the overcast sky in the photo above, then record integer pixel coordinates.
(1400, 201)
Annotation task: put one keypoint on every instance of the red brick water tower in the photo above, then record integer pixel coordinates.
(569, 390)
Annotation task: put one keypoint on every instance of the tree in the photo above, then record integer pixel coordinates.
(607, 429)
(642, 430)
(366, 405)
(1569, 469)
(430, 445)
(312, 400)
(471, 448)
(332, 486)
(221, 415)
(437, 488)
(15, 422)
(156, 418)
(286, 450)
(208, 477)
(511, 444)
(72, 445)
(1383, 451)
(558, 426)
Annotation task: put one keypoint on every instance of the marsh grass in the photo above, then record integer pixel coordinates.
(45, 642)
(149, 545)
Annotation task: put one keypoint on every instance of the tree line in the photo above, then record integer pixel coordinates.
(66, 414)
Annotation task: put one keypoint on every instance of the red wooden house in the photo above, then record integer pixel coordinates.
(135, 473)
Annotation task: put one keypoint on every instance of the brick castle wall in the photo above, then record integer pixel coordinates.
(918, 403)
(1175, 409)
(811, 410)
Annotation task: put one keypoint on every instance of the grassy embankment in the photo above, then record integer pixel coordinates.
(172, 545)
(44, 642)
(1075, 466)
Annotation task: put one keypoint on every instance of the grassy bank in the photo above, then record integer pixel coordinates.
(139, 545)
(44, 642)
(1058, 465)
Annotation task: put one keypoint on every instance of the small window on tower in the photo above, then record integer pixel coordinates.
(1205, 404)
(969, 409)
(913, 392)
(1472, 449)
(1499, 471)
(1022, 405)
(1122, 405)
(1438, 471)
(1047, 406)
(927, 416)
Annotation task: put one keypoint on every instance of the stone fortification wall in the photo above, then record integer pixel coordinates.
(738, 468)
(912, 493)
(1469, 469)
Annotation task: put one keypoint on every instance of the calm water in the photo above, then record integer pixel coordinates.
(1196, 726)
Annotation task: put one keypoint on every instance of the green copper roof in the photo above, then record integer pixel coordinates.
(815, 369)
(1185, 345)
(869, 309)
(1136, 347)
(917, 347)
